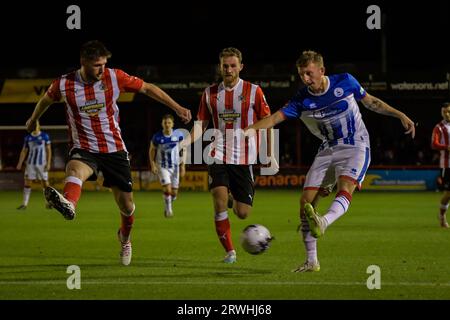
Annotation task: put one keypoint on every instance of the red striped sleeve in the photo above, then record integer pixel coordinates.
(128, 83)
(436, 140)
(203, 113)
(262, 109)
(53, 91)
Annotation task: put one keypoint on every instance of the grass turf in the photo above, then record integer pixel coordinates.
(180, 258)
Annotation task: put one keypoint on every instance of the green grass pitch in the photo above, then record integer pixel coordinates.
(180, 258)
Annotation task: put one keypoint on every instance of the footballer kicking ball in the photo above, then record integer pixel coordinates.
(256, 238)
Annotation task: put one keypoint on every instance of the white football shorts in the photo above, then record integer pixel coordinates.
(169, 176)
(36, 172)
(341, 160)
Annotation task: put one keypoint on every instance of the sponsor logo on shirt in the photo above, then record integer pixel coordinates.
(229, 116)
(92, 107)
(331, 111)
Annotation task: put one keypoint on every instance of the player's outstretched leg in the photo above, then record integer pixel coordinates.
(317, 224)
(61, 204)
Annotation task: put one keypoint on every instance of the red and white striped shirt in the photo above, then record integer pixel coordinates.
(91, 108)
(230, 110)
(441, 141)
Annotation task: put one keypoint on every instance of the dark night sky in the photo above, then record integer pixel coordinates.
(193, 32)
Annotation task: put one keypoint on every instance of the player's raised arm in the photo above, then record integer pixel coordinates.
(39, 110)
(159, 95)
(377, 105)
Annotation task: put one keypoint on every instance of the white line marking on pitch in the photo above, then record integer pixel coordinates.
(231, 283)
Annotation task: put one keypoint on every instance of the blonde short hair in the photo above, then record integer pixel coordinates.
(230, 52)
(309, 56)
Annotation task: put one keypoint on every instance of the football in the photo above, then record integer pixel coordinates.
(255, 239)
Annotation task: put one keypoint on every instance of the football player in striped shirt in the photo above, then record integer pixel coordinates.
(231, 106)
(441, 141)
(37, 155)
(90, 96)
(328, 107)
(165, 161)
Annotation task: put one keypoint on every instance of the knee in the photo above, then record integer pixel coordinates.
(127, 208)
(241, 213)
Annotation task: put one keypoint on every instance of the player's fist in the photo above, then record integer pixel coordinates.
(31, 125)
(184, 114)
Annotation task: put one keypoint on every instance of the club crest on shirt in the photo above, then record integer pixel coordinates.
(92, 107)
(338, 92)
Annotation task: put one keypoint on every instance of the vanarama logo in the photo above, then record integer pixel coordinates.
(281, 180)
(92, 107)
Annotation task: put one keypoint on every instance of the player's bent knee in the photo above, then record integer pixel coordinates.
(242, 212)
(127, 209)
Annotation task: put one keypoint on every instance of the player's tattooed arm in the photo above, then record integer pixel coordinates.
(377, 105)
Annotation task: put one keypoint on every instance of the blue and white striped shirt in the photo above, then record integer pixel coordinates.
(37, 154)
(333, 116)
(168, 151)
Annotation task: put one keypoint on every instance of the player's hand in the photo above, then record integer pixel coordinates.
(409, 125)
(47, 167)
(31, 125)
(19, 167)
(154, 169)
(184, 114)
(182, 171)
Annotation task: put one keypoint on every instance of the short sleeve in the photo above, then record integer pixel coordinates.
(155, 139)
(358, 91)
(261, 107)
(46, 138)
(128, 83)
(203, 111)
(53, 91)
(291, 109)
